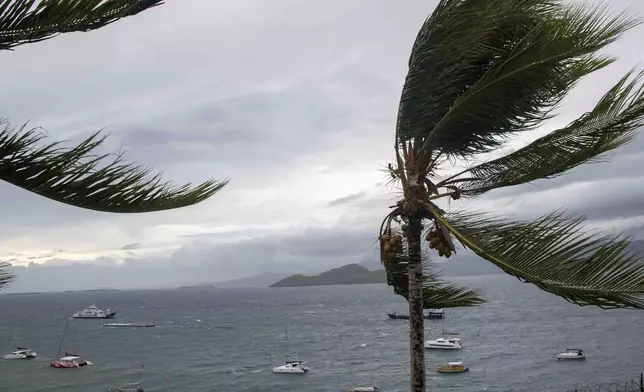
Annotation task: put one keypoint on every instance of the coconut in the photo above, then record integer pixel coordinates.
(387, 248)
(385, 237)
(398, 238)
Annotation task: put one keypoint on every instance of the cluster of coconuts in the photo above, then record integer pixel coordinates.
(436, 241)
(391, 245)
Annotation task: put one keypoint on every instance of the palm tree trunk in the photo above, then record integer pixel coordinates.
(416, 326)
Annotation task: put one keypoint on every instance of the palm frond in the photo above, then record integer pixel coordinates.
(611, 124)
(77, 177)
(557, 255)
(483, 70)
(5, 276)
(436, 292)
(25, 21)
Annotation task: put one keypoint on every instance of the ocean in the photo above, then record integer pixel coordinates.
(343, 333)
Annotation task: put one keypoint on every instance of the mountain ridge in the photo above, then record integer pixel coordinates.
(346, 275)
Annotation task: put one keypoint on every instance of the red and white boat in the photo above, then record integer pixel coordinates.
(69, 362)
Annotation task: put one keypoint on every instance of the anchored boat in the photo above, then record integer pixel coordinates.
(21, 353)
(444, 344)
(69, 362)
(292, 367)
(453, 367)
(572, 353)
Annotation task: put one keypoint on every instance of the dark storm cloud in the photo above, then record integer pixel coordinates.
(626, 163)
(598, 201)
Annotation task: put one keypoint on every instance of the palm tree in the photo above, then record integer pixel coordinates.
(76, 175)
(481, 71)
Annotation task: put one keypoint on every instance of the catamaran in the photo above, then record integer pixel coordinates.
(21, 352)
(69, 360)
(292, 367)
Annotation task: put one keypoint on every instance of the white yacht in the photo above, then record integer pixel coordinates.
(21, 353)
(444, 344)
(92, 312)
(292, 367)
(572, 353)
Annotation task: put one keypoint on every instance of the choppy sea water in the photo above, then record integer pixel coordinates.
(343, 333)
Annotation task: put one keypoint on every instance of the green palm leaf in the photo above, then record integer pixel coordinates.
(77, 177)
(25, 21)
(557, 255)
(611, 124)
(5, 276)
(483, 70)
(436, 292)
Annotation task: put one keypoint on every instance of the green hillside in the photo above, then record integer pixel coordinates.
(348, 274)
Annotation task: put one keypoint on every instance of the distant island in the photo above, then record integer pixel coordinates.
(348, 274)
(198, 286)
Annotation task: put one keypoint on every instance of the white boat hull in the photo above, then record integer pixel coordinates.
(565, 356)
(292, 371)
(288, 369)
(441, 347)
(31, 355)
(466, 369)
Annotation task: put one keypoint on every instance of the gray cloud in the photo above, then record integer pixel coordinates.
(309, 251)
(624, 163)
(132, 246)
(346, 199)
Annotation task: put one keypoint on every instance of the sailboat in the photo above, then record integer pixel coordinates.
(571, 353)
(69, 361)
(292, 367)
(448, 341)
(21, 352)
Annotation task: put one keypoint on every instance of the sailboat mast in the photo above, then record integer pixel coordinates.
(62, 337)
(286, 343)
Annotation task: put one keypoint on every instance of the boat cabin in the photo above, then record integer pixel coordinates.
(577, 351)
(73, 359)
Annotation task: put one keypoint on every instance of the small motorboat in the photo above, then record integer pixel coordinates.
(69, 362)
(432, 315)
(364, 389)
(453, 367)
(128, 388)
(572, 353)
(446, 343)
(293, 367)
(21, 353)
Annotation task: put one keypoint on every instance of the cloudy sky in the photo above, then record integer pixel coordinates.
(294, 101)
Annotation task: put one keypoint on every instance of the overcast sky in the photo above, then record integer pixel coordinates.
(295, 101)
